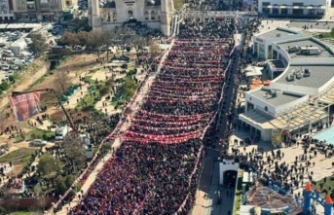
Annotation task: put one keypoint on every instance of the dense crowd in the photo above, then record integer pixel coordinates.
(154, 172)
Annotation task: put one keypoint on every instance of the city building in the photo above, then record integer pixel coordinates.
(299, 96)
(6, 11)
(155, 13)
(295, 8)
(39, 10)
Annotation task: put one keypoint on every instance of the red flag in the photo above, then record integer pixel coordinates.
(25, 105)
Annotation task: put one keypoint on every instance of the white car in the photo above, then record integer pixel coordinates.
(5, 67)
(37, 142)
(14, 66)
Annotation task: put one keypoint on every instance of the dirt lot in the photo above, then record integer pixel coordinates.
(70, 70)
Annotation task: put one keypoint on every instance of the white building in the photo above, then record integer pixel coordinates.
(6, 10)
(295, 8)
(298, 98)
(155, 13)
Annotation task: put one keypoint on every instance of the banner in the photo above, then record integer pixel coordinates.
(25, 105)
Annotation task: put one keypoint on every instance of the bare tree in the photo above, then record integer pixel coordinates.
(138, 43)
(75, 153)
(62, 83)
(155, 49)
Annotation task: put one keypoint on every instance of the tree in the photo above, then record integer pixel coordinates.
(178, 5)
(75, 153)
(104, 90)
(69, 39)
(61, 185)
(38, 44)
(48, 165)
(154, 49)
(127, 89)
(138, 43)
(108, 38)
(63, 83)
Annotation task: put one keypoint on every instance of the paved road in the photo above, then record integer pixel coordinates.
(209, 179)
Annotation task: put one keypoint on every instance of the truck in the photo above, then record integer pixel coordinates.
(61, 132)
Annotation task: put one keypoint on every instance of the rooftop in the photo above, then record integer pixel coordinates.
(278, 32)
(279, 99)
(276, 64)
(319, 75)
(307, 42)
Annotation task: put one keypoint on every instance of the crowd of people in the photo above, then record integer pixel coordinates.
(154, 172)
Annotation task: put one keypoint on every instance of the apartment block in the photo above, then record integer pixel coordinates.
(41, 10)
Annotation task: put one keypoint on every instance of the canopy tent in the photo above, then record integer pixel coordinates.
(253, 71)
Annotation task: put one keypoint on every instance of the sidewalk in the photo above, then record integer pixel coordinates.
(125, 124)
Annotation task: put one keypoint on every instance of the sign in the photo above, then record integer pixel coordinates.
(25, 105)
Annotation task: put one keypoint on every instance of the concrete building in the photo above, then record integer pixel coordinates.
(156, 14)
(39, 10)
(295, 8)
(301, 93)
(6, 10)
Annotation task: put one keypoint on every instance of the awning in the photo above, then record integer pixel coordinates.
(253, 73)
(282, 6)
(296, 7)
(309, 7)
(269, 6)
(322, 7)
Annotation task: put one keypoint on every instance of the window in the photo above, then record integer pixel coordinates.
(68, 3)
(108, 17)
(30, 6)
(284, 11)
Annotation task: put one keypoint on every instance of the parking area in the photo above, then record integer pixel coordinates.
(14, 45)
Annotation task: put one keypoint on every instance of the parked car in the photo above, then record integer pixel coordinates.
(14, 66)
(5, 67)
(37, 143)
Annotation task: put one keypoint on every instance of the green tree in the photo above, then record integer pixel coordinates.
(69, 180)
(61, 184)
(104, 90)
(48, 165)
(38, 44)
(178, 5)
(127, 89)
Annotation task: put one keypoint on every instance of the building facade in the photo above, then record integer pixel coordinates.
(6, 11)
(295, 8)
(41, 10)
(156, 14)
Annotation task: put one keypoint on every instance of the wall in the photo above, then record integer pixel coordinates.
(229, 165)
(155, 25)
(259, 104)
(266, 134)
(123, 10)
